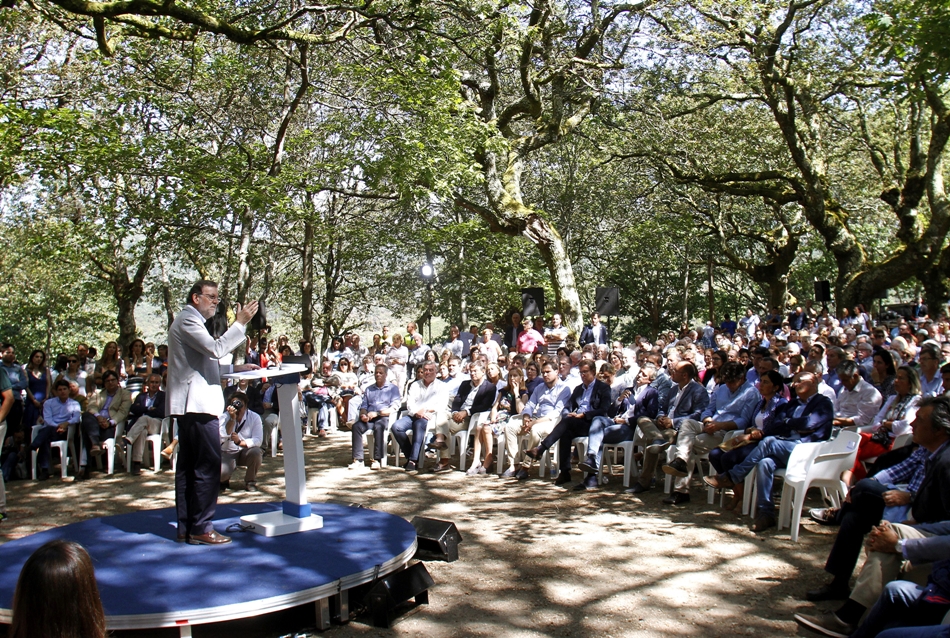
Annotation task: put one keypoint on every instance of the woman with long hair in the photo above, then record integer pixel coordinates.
(111, 359)
(884, 372)
(138, 365)
(56, 595)
(39, 383)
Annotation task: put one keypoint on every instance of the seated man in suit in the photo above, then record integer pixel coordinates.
(146, 416)
(241, 432)
(929, 511)
(732, 407)
(641, 402)
(687, 401)
(590, 400)
(104, 410)
(475, 394)
(806, 419)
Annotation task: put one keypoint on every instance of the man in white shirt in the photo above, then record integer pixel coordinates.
(858, 401)
(426, 406)
(555, 335)
(241, 433)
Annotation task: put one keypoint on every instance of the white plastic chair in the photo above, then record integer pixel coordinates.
(157, 443)
(629, 464)
(66, 449)
(108, 449)
(816, 465)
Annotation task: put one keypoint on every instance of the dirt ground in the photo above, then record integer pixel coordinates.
(536, 560)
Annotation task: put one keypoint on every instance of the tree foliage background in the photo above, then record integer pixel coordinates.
(702, 157)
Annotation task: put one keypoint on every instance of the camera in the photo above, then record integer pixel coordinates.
(237, 404)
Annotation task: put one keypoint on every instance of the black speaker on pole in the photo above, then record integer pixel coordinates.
(822, 290)
(608, 301)
(532, 302)
(437, 540)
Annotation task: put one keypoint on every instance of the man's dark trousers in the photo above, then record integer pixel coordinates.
(857, 518)
(198, 473)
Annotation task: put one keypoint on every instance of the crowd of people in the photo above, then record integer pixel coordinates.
(745, 393)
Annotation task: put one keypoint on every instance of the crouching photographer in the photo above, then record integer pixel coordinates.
(241, 435)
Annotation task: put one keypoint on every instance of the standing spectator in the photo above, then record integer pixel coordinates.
(6, 401)
(729, 326)
(454, 345)
(38, 386)
(18, 384)
(555, 336)
(110, 360)
(138, 364)
(595, 333)
(530, 341)
(513, 332)
(396, 358)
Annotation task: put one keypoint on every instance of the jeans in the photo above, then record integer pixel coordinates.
(769, 455)
(400, 430)
(901, 605)
(604, 430)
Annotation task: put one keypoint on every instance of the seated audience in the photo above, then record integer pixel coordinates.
(105, 409)
(146, 416)
(59, 412)
(426, 407)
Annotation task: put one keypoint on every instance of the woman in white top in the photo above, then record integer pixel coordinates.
(396, 358)
(488, 347)
(893, 419)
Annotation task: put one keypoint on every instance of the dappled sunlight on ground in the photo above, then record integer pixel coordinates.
(536, 560)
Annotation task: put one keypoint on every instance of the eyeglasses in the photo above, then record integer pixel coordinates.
(215, 299)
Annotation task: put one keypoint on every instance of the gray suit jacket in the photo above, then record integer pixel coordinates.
(694, 401)
(194, 374)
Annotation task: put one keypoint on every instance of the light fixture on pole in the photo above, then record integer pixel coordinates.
(427, 273)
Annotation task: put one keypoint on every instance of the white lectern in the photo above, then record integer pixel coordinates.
(296, 515)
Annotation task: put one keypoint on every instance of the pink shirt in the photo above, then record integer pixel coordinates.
(530, 341)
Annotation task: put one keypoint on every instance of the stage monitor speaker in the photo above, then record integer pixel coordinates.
(437, 540)
(259, 320)
(395, 589)
(302, 360)
(608, 302)
(822, 290)
(532, 302)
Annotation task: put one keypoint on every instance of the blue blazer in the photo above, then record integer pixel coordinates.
(648, 405)
(599, 399)
(814, 424)
(771, 410)
(694, 401)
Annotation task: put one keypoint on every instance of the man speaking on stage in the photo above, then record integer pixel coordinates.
(194, 398)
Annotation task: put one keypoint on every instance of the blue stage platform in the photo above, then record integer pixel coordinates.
(147, 580)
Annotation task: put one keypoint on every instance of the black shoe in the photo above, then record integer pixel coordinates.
(136, 469)
(676, 498)
(676, 467)
(828, 592)
(411, 467)
(42, 473)
(534, 453)
(83, 474)
(224, 485)
(521, 474)
(637, 488)
(563, 478)
(589, 465)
